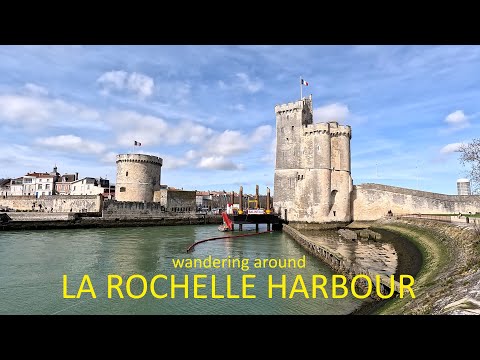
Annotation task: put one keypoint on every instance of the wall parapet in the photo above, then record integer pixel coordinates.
(419, 193)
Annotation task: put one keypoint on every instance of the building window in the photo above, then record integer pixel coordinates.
(43, 193)
(39, 186)
(47, 186)
(74, 188)
(293, 127)
(126, 174)
(88, 187)
(39, 180)
(122, 189)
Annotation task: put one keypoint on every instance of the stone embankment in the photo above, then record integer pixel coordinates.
(449, 280)
(43, 221)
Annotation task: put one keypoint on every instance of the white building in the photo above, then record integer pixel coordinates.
(44, 185)
(29, 186)
(5, 188)
(16, 187)
(89, 186)
(463, 187)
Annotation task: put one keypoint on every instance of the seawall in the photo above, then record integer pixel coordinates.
(449, 280)
(373, 201)
(74, 221)
(59, 203)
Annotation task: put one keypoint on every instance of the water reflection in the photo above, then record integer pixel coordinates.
(380, 258)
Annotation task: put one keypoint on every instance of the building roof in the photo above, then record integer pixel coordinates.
(68, 177)
(84, 178)
(37, 174)
(463, 180)
(4, 182)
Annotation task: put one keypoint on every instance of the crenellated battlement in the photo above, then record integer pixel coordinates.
(293, 106)
(341, 130)
(312, 172)
(140, 158)
(289, 107)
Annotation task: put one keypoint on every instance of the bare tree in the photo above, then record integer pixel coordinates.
(470, 156)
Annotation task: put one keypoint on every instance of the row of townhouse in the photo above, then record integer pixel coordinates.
(52, 183)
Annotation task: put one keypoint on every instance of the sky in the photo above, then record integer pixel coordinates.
(208, 111)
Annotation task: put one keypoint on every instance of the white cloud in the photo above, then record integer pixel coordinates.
(261, 133)
(109, 158)
(450, 148)
(332, 112)
(457, 119)
(71, 143)
(138, 83)
(141, 84)
(35, 89)
(217, 163)
(248, 84)
(238, 107)
(32, 111)
(191, 154)
(131, 126)
(113, 79)
(24, 109)
(173, 162)
(190, 132)
(152, 130)
(227, 143)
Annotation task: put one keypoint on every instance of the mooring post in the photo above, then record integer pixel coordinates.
(240, 200)
(256, 227)
(257, 197)
(267, 210)
(240, 227)
(268, 226)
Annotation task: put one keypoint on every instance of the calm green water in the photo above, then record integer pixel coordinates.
(32, 265)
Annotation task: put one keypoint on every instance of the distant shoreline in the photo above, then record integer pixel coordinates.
(99, 222)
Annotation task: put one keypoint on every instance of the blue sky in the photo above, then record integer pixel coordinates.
(208, 111)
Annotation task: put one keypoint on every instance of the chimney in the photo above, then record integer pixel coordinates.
(76, 176)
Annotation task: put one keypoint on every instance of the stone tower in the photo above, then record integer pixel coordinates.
(138, 176)
(313, 180)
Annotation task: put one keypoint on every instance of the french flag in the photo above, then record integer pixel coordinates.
(303, 82)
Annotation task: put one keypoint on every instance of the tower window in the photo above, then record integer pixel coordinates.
(122, 189)
(126, 174)
(293, 127)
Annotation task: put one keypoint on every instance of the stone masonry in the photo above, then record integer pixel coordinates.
(313, 180)
(138, 177)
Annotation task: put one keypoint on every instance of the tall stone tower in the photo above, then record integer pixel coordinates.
(313, 180)
(138, 176)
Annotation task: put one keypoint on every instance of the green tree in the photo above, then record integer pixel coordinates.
(470, 157)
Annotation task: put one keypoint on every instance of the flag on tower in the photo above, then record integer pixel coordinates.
(303, 82)
(137, 143)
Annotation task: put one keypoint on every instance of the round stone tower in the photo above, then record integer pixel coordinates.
(138, 176)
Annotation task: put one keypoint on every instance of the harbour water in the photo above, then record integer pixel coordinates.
(33, 263)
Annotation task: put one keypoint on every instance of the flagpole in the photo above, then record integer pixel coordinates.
(300, 88)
